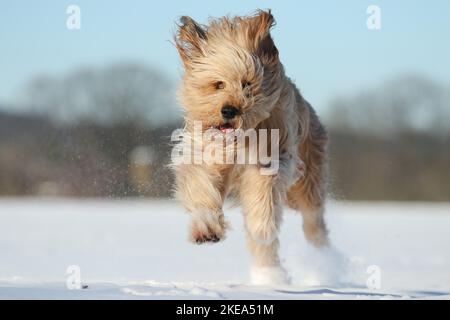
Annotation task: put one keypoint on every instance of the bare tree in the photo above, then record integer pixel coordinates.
(122, 93)
(402, 104)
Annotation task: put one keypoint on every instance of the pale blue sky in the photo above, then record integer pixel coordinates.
(324, 45)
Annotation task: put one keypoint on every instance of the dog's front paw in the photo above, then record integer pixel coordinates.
(208, 228)
(201, 238)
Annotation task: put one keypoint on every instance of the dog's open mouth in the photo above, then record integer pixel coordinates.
(225, 128)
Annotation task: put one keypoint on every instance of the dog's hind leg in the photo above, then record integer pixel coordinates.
(262, 212)
(202, 189)
(314, 226)
(308, 194)
(266, 268)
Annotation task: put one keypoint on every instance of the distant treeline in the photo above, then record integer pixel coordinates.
(86, 160)
(408, 166)
(91, 160)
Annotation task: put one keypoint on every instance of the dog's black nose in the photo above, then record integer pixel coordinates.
(229, 112)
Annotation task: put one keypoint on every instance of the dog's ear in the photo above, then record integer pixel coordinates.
(260, 25)
(190, 39)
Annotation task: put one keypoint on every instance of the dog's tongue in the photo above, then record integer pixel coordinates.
(226, 128)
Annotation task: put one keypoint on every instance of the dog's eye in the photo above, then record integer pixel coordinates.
(246, 84)
(219, 85)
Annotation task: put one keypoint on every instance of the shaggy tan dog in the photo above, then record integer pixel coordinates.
(233, 79)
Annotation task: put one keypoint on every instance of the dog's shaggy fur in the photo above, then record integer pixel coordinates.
(234, 61)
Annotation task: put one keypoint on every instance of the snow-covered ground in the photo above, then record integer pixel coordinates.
(138, 249)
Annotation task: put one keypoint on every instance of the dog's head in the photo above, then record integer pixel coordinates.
(232, 70)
